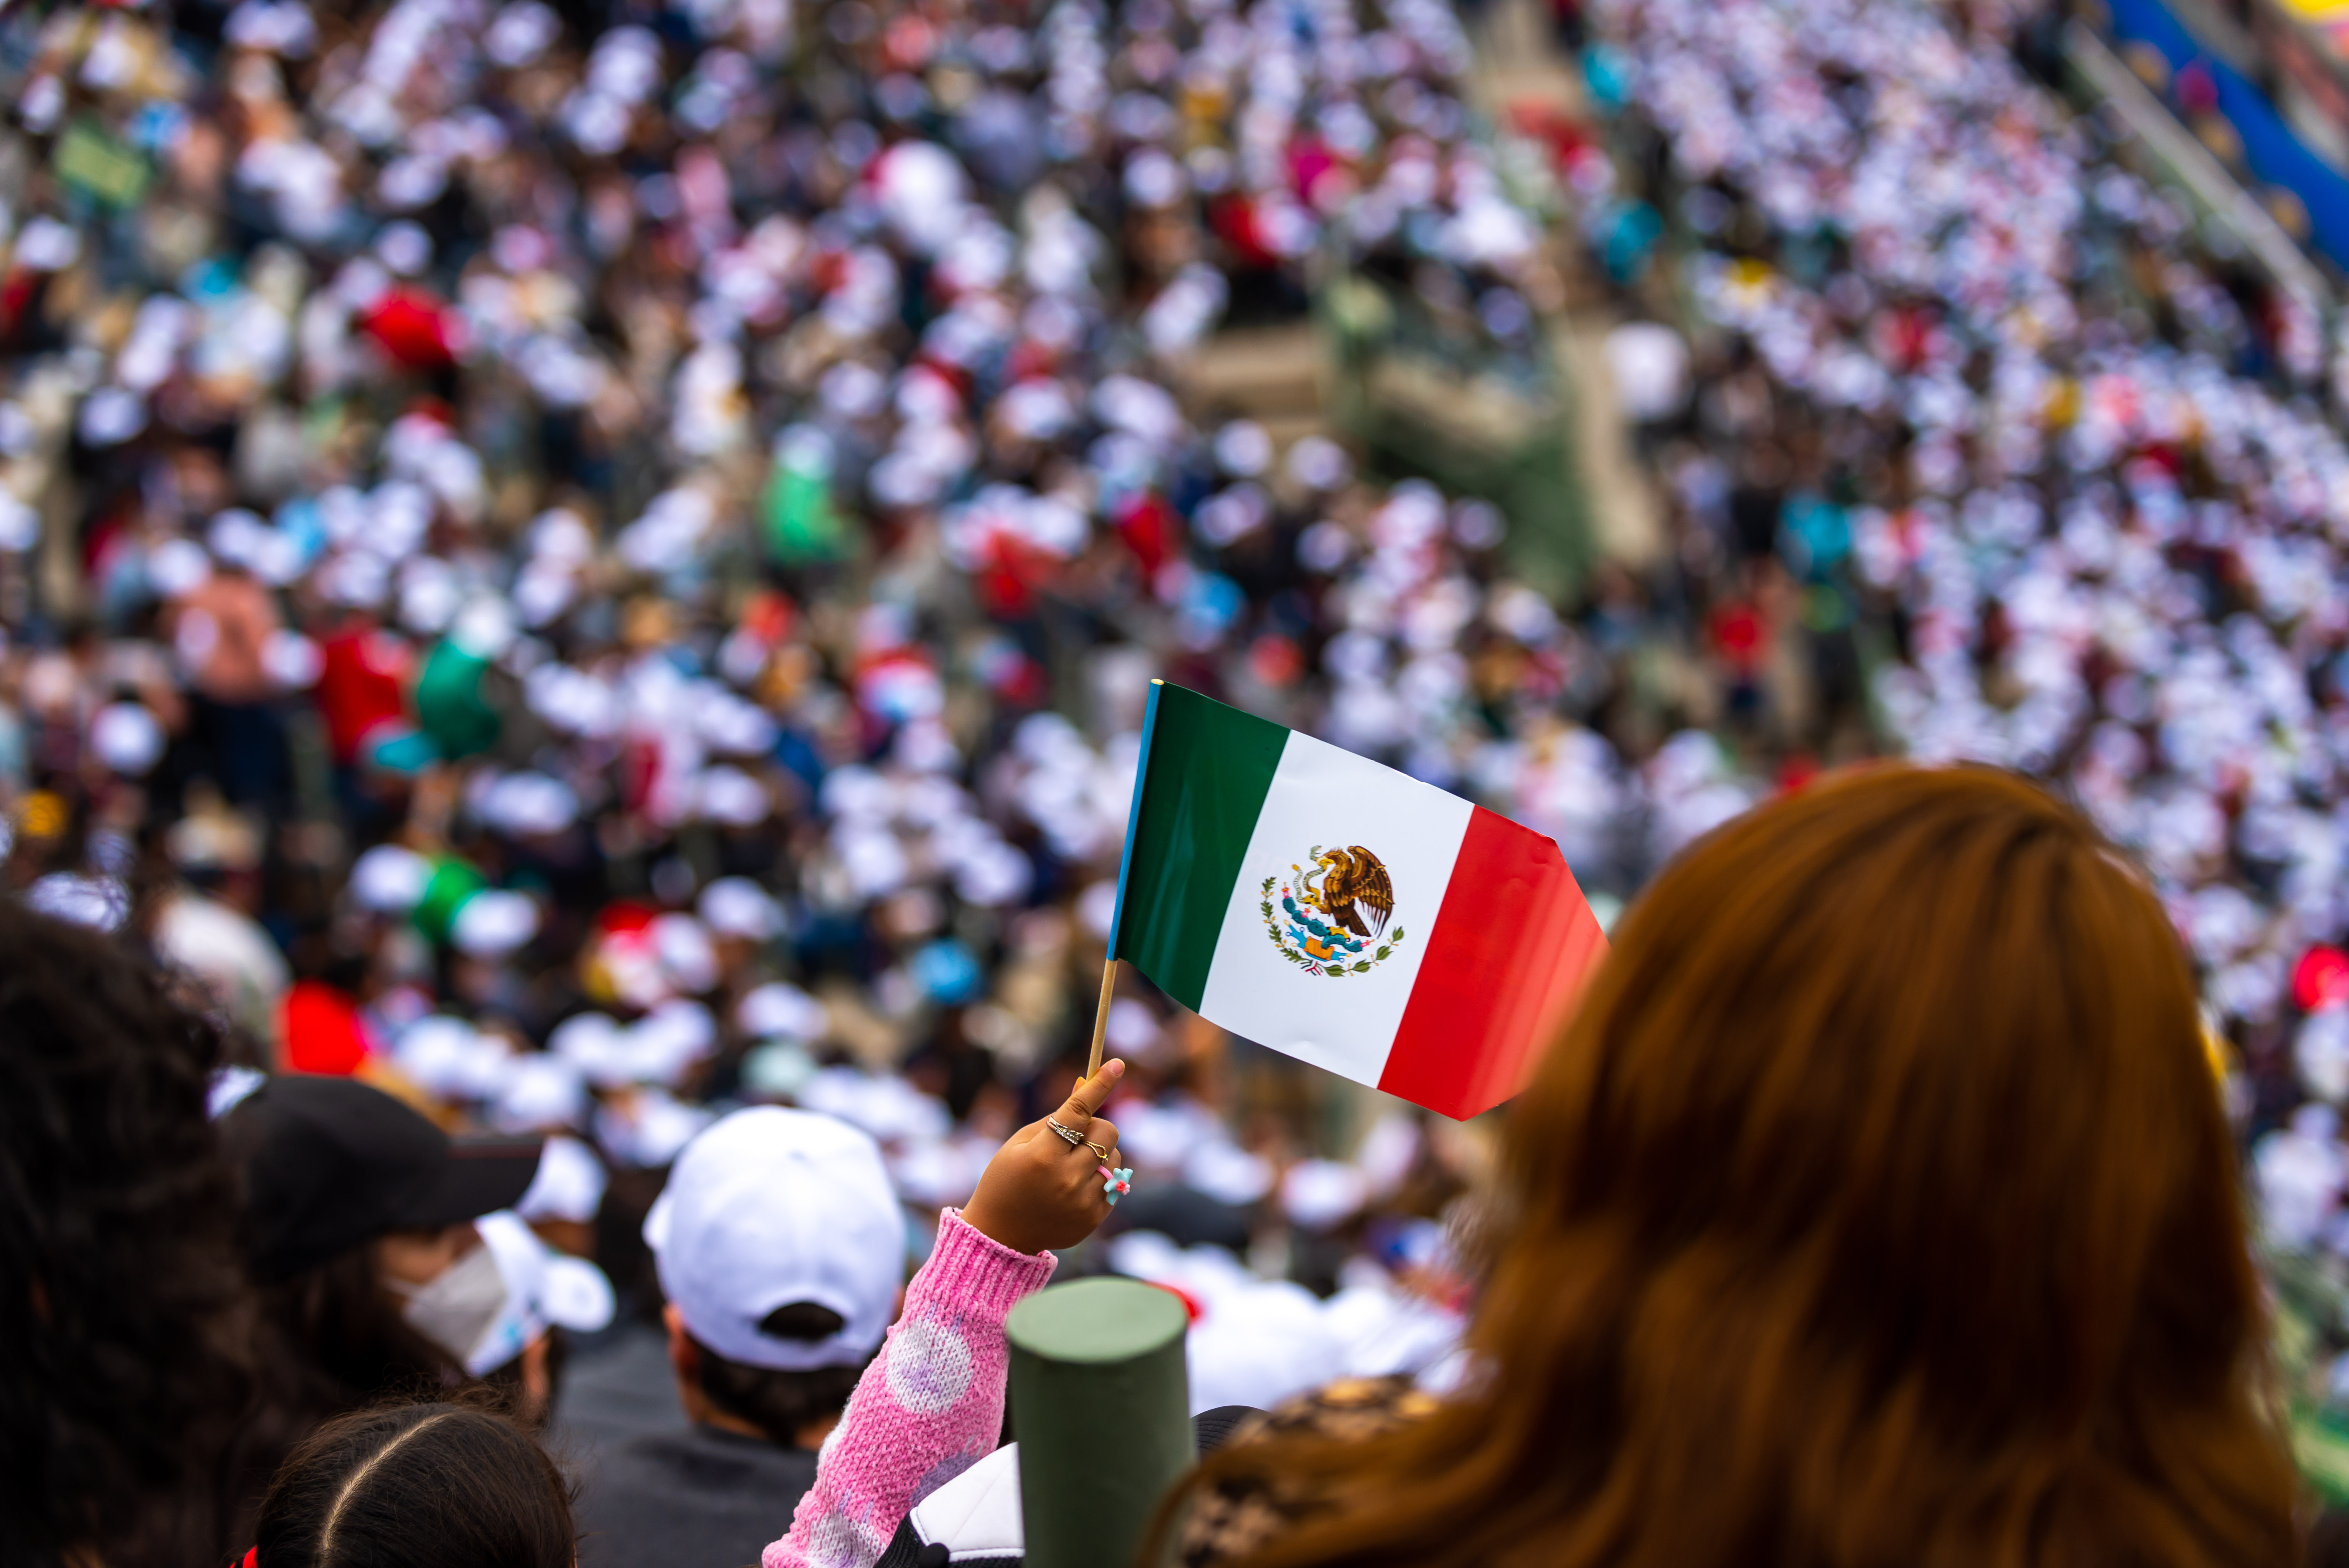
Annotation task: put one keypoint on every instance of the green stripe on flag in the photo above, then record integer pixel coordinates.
(1207, 769)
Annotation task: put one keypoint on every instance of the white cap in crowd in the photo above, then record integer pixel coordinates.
(542, 1287)
(768, 1208)
(569, 1185)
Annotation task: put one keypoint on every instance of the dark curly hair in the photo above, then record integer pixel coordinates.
(125, 1318)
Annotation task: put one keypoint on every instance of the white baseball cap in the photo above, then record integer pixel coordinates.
(770, 1207)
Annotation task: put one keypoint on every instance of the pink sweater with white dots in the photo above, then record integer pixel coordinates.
(929, 1407)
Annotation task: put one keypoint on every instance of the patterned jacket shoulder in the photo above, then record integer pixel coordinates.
(1233, 1516)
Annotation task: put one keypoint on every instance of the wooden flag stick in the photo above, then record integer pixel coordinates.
(1101, 1014)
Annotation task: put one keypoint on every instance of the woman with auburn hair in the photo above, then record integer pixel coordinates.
(1876, 1208)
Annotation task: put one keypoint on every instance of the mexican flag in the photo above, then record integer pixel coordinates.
(1342, 913)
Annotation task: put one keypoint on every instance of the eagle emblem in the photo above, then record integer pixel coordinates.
(1329, 915)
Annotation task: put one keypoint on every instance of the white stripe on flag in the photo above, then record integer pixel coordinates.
(1326, 797)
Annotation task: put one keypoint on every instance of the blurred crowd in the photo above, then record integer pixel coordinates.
(1994, 421)
(592, 565)
(1982, 436)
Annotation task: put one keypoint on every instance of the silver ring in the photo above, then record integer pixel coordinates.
(1074, 1139)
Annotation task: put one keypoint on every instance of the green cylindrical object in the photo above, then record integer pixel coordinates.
(1101, 1406)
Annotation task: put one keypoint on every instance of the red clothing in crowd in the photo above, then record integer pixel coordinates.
(362, 686)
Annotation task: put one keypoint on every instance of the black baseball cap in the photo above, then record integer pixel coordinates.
(330, 1163)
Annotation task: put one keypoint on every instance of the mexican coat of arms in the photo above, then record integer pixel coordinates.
(1329, 915)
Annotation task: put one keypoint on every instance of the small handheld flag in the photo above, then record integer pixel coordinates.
(1342, 913)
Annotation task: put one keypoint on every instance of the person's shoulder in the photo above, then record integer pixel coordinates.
(1347, 1411)
(699, 1456)
(1241, 1507)
(662, 1475)
(687, 1498)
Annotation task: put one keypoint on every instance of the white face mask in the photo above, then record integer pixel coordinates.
(457, 1305)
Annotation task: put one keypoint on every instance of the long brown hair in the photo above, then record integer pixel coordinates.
(1876, 1208)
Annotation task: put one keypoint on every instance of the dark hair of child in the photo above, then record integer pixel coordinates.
(456, 1486)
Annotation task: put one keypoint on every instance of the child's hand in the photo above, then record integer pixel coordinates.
(1040, 1191)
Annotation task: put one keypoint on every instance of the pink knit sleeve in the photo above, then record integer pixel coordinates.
(928, 1408)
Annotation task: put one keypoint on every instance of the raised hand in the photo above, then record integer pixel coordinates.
(1041, 1191)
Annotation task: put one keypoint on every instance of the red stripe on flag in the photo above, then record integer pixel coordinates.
(1512, 945)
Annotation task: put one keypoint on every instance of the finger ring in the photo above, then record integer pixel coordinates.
(1074, 1139)
(1099, 1152)
(1115, 1185)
